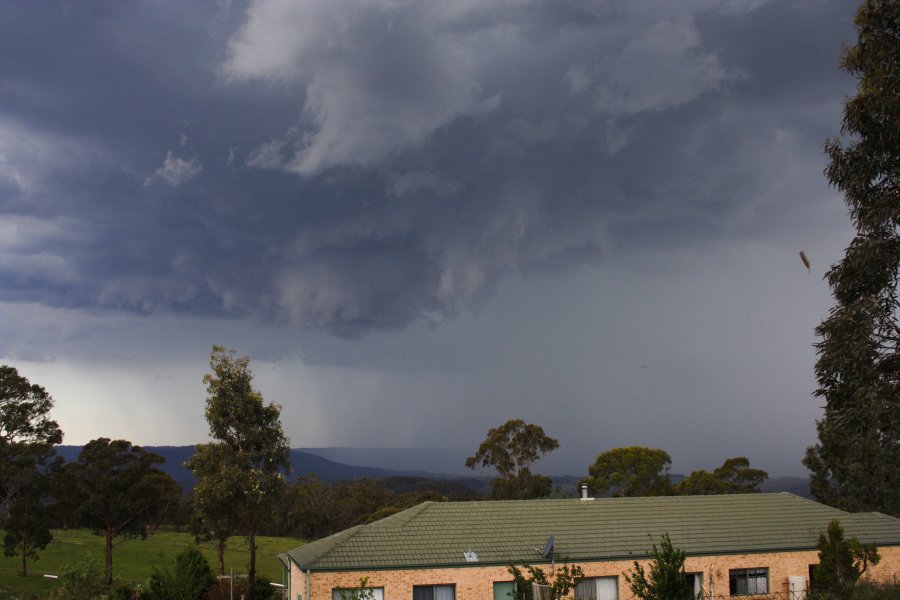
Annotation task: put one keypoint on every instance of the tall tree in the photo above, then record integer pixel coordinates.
(250, 442)
(28, 528)
(218, 496)
(854, 465)
(27, 440)
(27, 433)
(631, 471)
(512, 449)
(119, 492)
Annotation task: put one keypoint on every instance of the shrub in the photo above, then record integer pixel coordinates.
(841, 563)
(667, 580)
(191, 578)
(82, 581)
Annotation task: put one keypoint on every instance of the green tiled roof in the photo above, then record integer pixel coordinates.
(436, 534)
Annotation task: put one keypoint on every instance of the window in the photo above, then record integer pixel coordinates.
(748, 582)
(504, 590)
(434, 592)
(598, 588)
(696, 580)
(377, 593)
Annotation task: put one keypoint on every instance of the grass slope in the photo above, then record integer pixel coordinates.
(133, 560)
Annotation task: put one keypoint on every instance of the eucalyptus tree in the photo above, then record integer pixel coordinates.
(117, 491)
(854, 464)
(28, 437)
(512, 449)
(250, 448)
(630, 471)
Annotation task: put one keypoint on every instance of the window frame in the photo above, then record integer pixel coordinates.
(346, 589)
(505, 582)
(593, 579)
(746, 575)
(435, 585)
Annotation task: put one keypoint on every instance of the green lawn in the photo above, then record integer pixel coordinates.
(133, 560)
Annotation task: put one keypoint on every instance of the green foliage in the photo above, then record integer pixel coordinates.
(563, 582)
(523, 486)
(841, 562)
(117, 491)
(27, 440)
(666, 580)
(24, 409)
(313, 508)
(360, 592)
(854, 465)
(241, 474)
(260, 589)
(192, 577)
(512, 449)
(631, 471)
(83, 580)
(700, 483)
(28, 527)
(866, 590)
(734, 477)
(218, 496)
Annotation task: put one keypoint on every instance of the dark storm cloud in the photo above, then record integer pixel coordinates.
(349, 166)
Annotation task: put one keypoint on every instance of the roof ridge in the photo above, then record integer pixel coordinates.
(400, 519)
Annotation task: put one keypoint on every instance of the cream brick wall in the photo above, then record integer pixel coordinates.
(476, 583)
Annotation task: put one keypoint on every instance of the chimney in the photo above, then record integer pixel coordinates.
(584, 493)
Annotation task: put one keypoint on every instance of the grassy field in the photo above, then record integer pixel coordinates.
(133, 560)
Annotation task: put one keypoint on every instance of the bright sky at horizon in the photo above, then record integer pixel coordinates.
(423, 219)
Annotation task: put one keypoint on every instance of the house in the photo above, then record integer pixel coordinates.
(759, 545)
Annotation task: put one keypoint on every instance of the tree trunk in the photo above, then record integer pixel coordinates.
(220, 555)
(109, 538)
(251, 573)
(24, 564)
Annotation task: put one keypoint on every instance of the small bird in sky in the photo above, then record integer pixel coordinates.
(804, 259)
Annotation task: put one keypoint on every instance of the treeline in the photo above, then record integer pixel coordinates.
(313, 508)
(514, 447)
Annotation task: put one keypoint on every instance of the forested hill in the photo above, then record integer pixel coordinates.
(302, 463)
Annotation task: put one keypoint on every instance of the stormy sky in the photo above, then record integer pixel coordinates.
(421, 219)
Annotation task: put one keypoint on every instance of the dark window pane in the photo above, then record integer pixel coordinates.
(423, 592)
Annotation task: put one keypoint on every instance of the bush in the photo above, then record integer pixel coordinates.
(191, 578)
(842, 561)
(262, 590)
(666, 579)
(121, 591)
(82, 581)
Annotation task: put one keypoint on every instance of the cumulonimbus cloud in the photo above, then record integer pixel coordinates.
(350, 165)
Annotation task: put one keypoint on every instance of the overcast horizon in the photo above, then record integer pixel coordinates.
(422, 219)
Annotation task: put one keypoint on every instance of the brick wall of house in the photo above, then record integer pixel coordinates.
(476, 583)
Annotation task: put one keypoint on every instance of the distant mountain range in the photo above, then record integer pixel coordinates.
(396, 463)
(302, 463)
